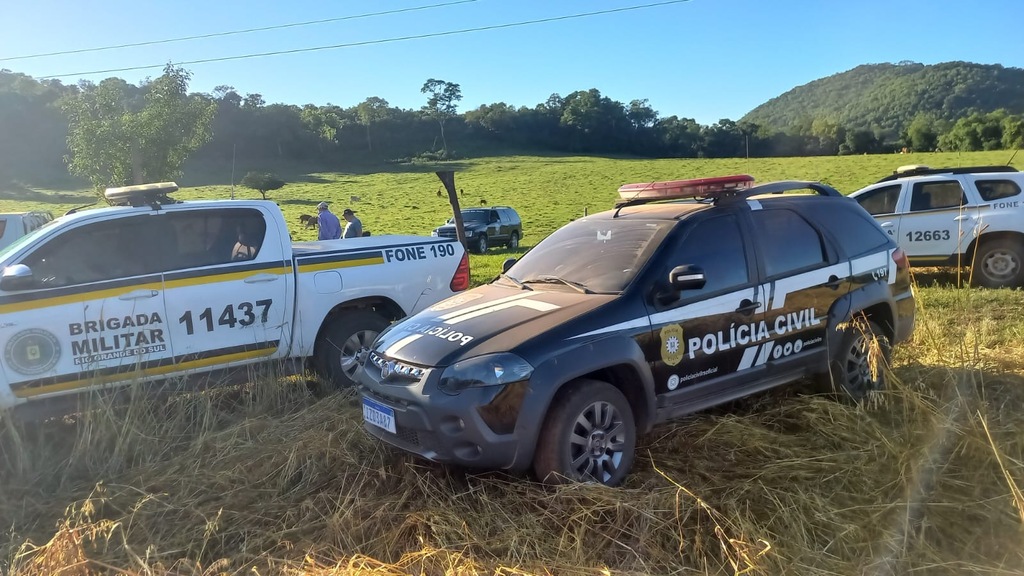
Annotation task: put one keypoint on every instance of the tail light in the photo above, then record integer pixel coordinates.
(460, 281)
(900, 258)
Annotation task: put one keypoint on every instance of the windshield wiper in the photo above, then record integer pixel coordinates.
(555, 279)
(515, 281)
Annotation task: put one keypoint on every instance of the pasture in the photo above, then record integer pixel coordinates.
(266, 479)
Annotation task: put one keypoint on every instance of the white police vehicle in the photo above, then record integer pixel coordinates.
(967, 216)
(153, 288)
(663, 308)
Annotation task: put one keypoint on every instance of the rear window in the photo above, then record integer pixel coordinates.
(881, 200)
(997, 189)
(856, 232)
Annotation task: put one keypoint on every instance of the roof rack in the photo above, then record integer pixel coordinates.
(737, 194)
(919, 170)
(154, 195)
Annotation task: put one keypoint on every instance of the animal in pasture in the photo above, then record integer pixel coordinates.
(307, 220)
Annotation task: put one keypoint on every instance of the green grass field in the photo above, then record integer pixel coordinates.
(266, 479)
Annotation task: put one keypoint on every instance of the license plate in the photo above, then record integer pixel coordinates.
(379, 415)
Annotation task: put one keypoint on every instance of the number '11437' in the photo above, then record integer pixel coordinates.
(245, 316)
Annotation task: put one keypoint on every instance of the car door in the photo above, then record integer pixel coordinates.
(709, 333)
(937, 221)
(92, 311)
(228, 288)
(805, 276)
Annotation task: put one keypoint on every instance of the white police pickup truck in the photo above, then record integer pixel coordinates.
(152, 288)
(965, 216)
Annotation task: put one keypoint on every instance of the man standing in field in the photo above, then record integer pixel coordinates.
(328, 223)
(354, 228)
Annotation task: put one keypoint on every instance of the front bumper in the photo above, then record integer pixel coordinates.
(446, 428)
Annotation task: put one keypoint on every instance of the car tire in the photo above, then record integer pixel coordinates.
(858, 365)
(481, 244)
(335, 356)
(999, 263)
(513, 241)
(589, 435)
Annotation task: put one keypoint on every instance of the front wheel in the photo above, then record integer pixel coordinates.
(481, 244)
(589, 435)
(336, 356)
(513, 241)
(999, 263)
(858, 366)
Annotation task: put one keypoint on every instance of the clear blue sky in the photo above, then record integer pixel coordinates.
(702, 59)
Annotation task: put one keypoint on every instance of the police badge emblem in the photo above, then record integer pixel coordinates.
(672, 344)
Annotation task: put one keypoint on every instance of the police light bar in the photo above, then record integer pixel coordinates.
(139, 194)
(693, 188)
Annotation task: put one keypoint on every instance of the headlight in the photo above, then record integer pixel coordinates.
(489, 370)
(469, 233)
(433, 232)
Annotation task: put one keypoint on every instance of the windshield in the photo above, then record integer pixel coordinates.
(602, 255)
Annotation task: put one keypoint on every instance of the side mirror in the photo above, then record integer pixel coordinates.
(507, 264)
(16, 277)
(688, 277)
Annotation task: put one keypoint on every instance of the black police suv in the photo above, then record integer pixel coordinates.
(485, 227)
(624, 319)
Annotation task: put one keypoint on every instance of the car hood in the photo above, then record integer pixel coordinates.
(467, 225)
(485, 320)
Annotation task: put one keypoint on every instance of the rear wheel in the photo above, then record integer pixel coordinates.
(999, 263)
(858, 367)
(589, 435)
(481, 243)
(336, 356)
(513, 241)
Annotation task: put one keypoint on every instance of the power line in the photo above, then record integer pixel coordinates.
(234, 32)
(372, 42)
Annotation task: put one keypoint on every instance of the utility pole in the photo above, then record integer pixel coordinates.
(233, 171)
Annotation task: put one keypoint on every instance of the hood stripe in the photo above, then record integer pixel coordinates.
(402, 344)
(534, 304)
(476, 307)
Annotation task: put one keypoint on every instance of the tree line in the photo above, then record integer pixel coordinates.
(114, 133)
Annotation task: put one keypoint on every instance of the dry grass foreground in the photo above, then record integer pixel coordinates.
(268, 480)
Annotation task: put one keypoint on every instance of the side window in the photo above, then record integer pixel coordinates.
(211, 237)
(880, 200)
(96, 252)
(3, 227)
(493, 216)
(936, 195)
(787, 241)
(997, 189)
(716, 245)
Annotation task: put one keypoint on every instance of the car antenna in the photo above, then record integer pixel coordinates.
(1012, 156)
(77, 208)
(630, 202)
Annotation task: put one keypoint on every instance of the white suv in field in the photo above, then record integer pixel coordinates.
(968, 216)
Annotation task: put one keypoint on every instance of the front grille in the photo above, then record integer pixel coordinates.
(394, 372)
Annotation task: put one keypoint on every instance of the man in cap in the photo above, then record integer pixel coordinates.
(328, 223)
(354, 228)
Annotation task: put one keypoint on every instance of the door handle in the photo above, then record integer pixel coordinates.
(138, 295)
(885, 224)
(834, 282)
(961, 218)
(261, 278)
(747, 306)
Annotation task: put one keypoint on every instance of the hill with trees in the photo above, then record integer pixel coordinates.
(114, 133)
(886, 98)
